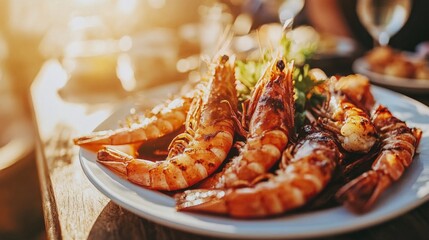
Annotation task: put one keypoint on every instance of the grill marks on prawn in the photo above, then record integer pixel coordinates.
(307, 169)
(162, 120)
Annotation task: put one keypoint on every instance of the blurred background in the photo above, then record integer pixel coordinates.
(110, 49)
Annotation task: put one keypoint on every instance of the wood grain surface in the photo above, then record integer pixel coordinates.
(75, 209)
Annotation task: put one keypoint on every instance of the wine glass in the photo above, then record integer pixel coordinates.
(383, 18)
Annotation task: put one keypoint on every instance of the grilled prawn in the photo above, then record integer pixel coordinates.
(358, 89)
(306, 170)
(209, 137)
(352, 125)
(160, 121)
(271, 113)
(399, 143)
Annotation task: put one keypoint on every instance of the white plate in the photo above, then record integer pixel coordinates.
(361, 66)
(411, 191)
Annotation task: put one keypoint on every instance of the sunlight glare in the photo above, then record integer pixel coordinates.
(125, 43)
(125, 72)
(157, 4)
(126, 6)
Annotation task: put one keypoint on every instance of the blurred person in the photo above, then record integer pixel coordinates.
(339, 17)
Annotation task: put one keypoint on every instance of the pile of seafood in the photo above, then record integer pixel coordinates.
(250, 159)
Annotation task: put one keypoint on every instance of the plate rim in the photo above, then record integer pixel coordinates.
(219, 233)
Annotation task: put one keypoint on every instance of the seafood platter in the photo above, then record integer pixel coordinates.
(288, 150)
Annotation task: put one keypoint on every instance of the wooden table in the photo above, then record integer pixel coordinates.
(75, 209)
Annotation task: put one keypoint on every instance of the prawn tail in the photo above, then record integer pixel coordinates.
(417, 133)
(114, 159)
(200, 200)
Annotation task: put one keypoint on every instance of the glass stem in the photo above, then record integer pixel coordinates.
(383, 39)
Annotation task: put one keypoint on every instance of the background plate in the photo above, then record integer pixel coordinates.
(408, 85)
(409, 192)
